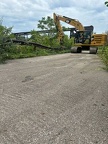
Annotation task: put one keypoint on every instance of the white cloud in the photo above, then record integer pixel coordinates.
(24, 15)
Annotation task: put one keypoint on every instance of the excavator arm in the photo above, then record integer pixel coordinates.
(60, 33)
(70, 21)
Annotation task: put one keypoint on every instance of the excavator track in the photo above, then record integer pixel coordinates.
(93, 50)
(76, 50)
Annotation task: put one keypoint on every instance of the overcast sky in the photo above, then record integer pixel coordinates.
(24, 15)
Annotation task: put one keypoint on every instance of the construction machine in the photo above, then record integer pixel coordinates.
(83, 39)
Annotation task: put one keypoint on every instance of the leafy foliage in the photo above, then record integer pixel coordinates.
(51, 38)
(8, 50)
(51, 41)
(5, 36)
(103, 53)
(106, 3)
(47, 24)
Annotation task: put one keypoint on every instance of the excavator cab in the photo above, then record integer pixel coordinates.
(83, 37)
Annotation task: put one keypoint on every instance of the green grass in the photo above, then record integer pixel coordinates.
(103, 53)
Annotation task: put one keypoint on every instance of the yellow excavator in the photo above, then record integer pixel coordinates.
(83, 39)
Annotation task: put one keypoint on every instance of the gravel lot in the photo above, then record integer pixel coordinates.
(59, 99)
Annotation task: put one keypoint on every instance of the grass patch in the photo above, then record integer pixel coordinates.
(103, 53)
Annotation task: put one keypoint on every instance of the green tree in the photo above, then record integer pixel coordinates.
(106, 3)
(35, 37)
(47, 24)
(5, 37)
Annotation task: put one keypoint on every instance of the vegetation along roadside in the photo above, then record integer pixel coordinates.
(10, 50)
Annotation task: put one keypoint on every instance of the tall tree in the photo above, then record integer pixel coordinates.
(5, 36)
(47, 24)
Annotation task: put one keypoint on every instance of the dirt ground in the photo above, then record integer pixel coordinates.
(59, 99)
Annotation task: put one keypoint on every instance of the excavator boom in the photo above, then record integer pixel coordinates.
(70, 21)
(60, 33)
(73, 22)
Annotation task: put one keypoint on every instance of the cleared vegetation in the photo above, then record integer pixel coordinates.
(9, 50)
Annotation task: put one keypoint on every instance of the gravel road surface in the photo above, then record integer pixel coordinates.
(59, 99)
